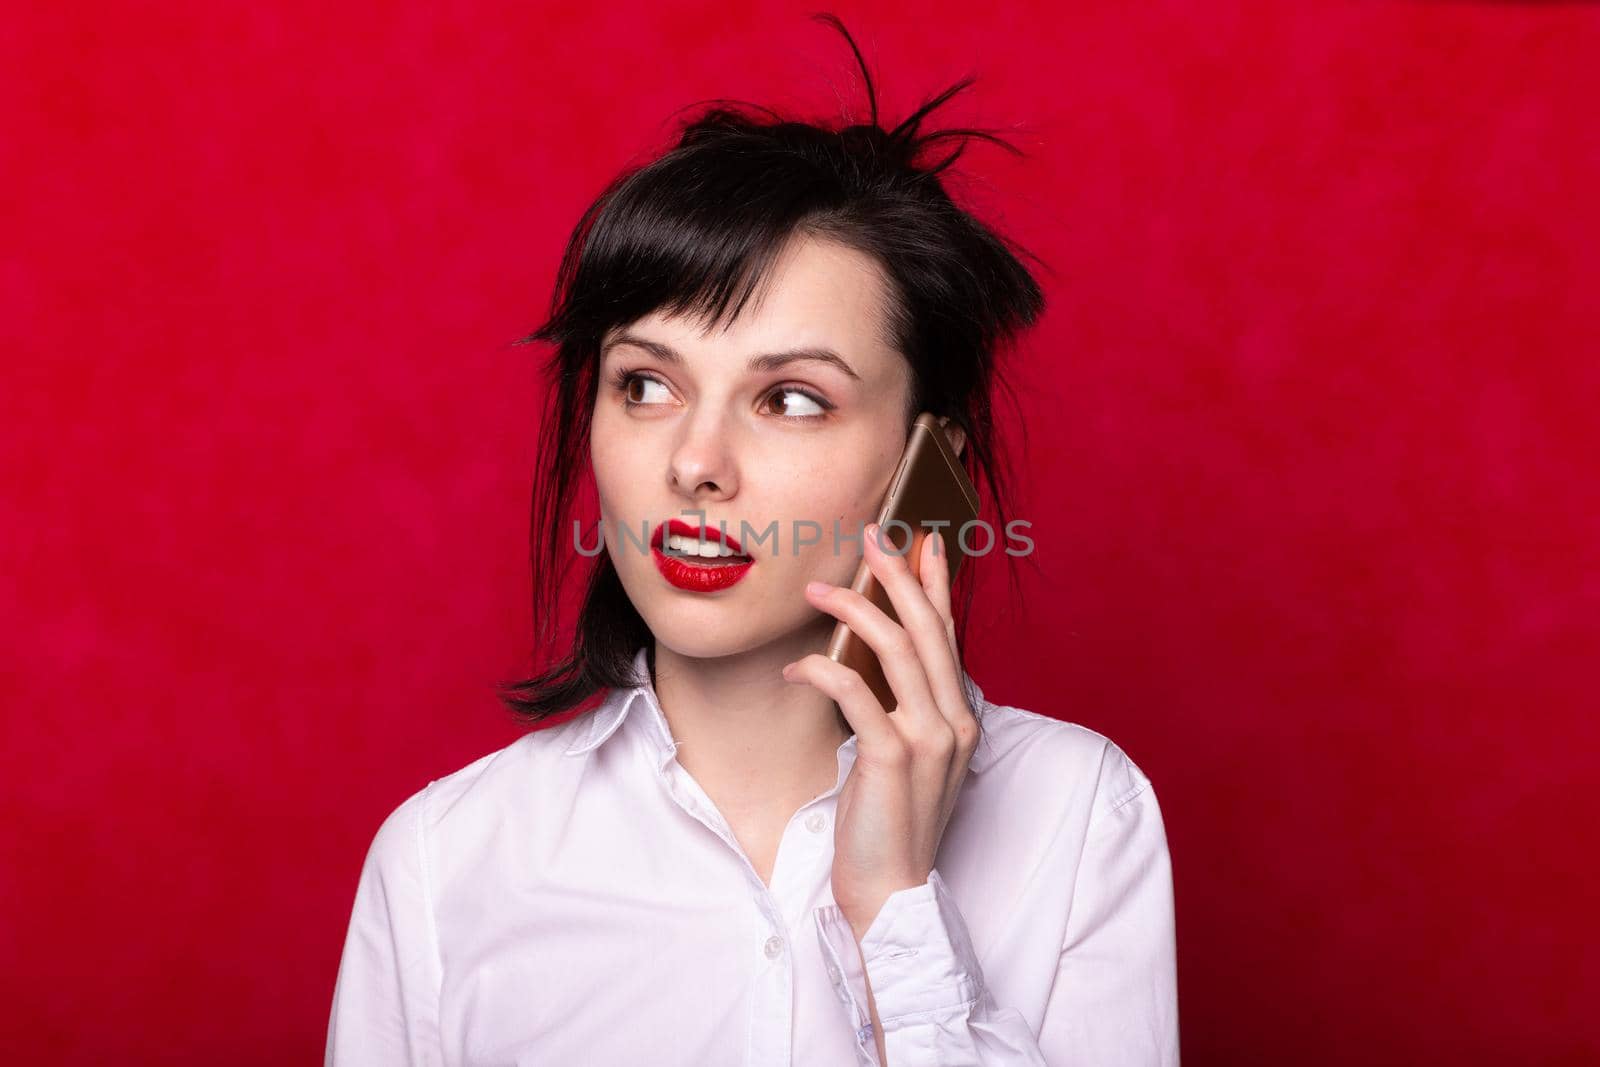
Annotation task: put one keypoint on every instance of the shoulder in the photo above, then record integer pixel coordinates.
(450, 806)
(1045, 755)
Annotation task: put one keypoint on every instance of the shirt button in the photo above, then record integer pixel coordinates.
(816, 821)
(833, 973)
(774, 947)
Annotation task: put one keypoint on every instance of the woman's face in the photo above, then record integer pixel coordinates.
(793, 445)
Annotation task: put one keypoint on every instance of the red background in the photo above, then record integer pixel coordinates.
(1311, 467)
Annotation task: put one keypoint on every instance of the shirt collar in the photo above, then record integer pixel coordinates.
(604, 720)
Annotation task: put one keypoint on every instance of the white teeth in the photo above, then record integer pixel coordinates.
(692, 546)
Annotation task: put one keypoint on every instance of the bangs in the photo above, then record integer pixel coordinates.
(695, 233)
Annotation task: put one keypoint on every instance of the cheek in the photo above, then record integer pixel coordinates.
(851, 506)
(610, 465)
(857, 499)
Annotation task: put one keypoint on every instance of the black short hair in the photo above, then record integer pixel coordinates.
(697, 230)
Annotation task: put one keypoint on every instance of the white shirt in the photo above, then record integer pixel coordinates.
(577, 899)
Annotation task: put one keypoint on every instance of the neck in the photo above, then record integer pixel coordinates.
(752, 740)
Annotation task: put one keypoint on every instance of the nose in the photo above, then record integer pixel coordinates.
(701, 465)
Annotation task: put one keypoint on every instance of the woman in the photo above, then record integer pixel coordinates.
(740, 856)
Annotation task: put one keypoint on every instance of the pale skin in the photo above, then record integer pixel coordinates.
(759, 712)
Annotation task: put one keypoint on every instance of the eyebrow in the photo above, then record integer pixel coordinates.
(757, 364)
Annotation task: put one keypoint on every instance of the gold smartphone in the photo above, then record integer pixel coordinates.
(930, 485)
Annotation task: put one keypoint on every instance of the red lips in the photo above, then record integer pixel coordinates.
(695, 575)
(679, 528)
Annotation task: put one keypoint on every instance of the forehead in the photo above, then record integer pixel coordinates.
(817, 292)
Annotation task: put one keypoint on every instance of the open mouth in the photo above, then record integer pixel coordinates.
(698, 559)
(697, 546)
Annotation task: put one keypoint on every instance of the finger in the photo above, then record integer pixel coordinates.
(906, 596)
(934, 575)
(934, 571)
(881, 744)
(861, 709)
(897, 653)
(944, 675)
(923, 624)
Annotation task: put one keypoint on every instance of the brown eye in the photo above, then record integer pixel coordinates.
(816, 405)
(641, 396)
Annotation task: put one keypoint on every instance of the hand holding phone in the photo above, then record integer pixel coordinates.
(929, 486)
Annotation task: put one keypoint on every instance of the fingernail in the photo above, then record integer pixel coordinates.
(817, 587)
(787, 669)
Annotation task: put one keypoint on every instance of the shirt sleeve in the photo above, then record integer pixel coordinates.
(1115, 997)
(926, 982)
(385, 999)
(1113, 1001)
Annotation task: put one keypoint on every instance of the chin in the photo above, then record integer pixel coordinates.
(700, 634)
(699, 645)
